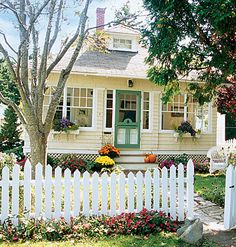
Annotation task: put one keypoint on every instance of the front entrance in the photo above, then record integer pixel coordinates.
(127, 119)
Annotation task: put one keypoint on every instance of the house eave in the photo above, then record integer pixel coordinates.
(131, 76)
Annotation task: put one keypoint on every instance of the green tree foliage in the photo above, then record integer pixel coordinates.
(191, 36)
(10, 131)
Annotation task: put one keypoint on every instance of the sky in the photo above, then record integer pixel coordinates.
(7, 21)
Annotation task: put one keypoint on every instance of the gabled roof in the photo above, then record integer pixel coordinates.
(121, 29)
(114, 63)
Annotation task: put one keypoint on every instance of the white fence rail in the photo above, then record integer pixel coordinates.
(54, 196)
(230, 198)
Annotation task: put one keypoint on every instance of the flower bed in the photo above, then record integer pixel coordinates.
(143, 223)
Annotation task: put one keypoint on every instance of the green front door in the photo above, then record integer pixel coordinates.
(127, 119)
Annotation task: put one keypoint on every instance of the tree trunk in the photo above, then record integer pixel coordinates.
(38, 145)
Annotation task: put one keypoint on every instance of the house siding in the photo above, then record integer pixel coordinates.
(151, 140)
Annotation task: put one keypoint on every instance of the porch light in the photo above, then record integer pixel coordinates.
(130, 83)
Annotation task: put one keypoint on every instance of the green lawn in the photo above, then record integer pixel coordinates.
(158, 240)
(211, 187)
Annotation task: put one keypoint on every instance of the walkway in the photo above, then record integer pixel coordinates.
(212, 217)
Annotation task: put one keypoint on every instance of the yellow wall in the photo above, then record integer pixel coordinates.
(150, 141)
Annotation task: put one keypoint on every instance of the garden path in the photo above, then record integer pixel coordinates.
(212, 217)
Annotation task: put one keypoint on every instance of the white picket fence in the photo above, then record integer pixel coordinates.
(55, 196)
(230, 198)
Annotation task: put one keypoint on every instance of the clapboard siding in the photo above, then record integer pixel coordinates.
(152, 140)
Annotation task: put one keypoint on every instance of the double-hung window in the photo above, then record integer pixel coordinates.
(184, 108)
(76, 105)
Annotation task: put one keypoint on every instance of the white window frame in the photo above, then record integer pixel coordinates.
(105, 129)
(150, 112)
(94, 108)
(209, 131)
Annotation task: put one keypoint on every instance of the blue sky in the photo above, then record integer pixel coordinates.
(8, 27)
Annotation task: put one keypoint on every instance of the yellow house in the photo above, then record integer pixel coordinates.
(112, 100)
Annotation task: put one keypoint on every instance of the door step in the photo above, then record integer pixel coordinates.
(137, 166)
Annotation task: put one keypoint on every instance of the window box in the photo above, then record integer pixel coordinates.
(179, 137)
(70, 133)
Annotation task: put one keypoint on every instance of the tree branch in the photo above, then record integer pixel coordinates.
(57, 25)
(14, 106)
(8, 44)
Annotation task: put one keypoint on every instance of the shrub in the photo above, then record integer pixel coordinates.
(142, 223)
(110, 151)
(202, 167)
(8, 160)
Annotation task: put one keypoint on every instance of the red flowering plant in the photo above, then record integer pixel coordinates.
(74, 163)
(202, 167)
(142, 223)
(110, 151)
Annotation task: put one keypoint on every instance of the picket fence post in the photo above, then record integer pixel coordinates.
(58, 193)
(5, 193)
(95, 184)
(139, 183)
(27, 188)
(181, 192)
(15, 193)
(38, 189)
(164, 187)
(190, 189)
(173, 192)
(67, 185)
(229, 211)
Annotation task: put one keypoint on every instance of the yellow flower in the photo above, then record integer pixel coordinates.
(105, 161)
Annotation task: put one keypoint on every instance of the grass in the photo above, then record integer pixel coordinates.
(158, 240)
(211, 187)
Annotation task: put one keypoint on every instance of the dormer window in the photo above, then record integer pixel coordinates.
(122, 44)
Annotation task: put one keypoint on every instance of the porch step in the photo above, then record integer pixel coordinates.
(127, 158)
(137, 165)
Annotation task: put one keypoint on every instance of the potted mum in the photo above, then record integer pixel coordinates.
(64, 125)
(103, 162)
(110, 151)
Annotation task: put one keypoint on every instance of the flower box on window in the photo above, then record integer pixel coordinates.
(70, 133)
(180, 137)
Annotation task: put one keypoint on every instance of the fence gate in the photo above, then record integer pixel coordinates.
(230, 198)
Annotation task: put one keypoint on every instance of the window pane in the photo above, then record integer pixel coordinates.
(146, 105)
(76, 102)
(83, 92)
(89, 102)
(109, 119)
(145, 120)
(82, 116)
(76, 92)
(83, 102)
(169, 122)
(90, 92)
(69, 91)
(109, 103)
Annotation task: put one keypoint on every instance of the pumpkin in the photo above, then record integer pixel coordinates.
(146, 159)
(152, 158)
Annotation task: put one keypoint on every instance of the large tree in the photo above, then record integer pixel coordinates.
(191, 36)
(30, 65)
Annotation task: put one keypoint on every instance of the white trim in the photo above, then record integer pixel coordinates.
(209, 131)
(150, 127)
(105, 109)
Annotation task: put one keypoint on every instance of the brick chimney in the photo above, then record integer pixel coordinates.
(100, 14)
